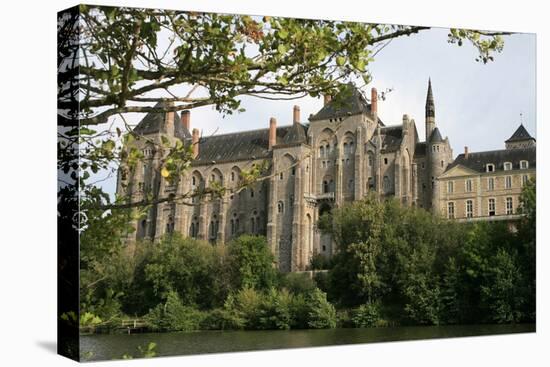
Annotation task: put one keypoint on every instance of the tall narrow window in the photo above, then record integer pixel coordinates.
(386, 183)
(450, 187)
(451, 210)
(524, 180)
(509, 206)
(508, 182)
(490, 183)
(492, 207)
(468, 185)
(469, 208)
(280, 207)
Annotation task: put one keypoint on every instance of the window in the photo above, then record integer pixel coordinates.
(451, 210)
(253, 225)
(293, 171)
(280, 207)
(321, 152)
(524, 180)
(370, 183)
(433, 182)
(371, 160)
(507, 166)
(386, 183)
(450, 187)
(490, 183)
(385, 160)
(251, 193)
(523, 164)
(442, 163)
(325, 186)
(423, 165)
(509, 206)
(508, 182)
(170, 225)
(350, 184)
(469, 208)
(281, 176)
(232, 176)
(492, 207)
(194, 181)
(468, 185)
(490, 167)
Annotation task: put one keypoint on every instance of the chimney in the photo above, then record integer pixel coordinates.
(195, 142)
(296, 115)
(186, 119)
(466, 153)
(326, 99)
(272, 132)
(374, 101)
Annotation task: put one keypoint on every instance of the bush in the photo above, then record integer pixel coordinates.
(276, 310)
(321, 314)
(297, 283)
(174, 316)
(367, 315)
(222, 319)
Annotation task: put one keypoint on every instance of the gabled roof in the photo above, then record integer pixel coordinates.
(352, 102)
(520, 134)
(252, 144)
(153, 123)
(478, 160)
(435, 136)
(391, 137)
(296, 134)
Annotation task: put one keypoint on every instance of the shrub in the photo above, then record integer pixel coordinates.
(173, 315)
(367, 315)
(321, 314)
(297, 283)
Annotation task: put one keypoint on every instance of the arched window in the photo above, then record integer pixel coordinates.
(321, 152)
(280, 207)
(386, 183)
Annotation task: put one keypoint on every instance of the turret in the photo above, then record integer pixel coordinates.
(430, 111)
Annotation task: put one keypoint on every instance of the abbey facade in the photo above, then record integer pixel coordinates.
(342, 154)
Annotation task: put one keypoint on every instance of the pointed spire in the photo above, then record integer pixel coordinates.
(430, 105)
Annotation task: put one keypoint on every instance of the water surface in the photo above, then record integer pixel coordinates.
(114, 346)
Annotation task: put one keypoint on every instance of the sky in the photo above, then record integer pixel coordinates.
(477, 105)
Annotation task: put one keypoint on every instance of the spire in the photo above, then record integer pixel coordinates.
(430, 105)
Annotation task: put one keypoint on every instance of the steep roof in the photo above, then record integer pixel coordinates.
(420, 149)
(352, 102)
(477, 161)
(435, 136)
(520, 134)
(391, 138)
(252, 144)
(153, 123)
(430, 105)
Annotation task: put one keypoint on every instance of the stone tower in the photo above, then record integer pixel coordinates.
(438, 151)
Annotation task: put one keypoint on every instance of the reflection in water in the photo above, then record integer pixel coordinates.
(101, 347)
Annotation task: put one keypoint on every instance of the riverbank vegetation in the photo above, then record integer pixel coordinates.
(395, 265)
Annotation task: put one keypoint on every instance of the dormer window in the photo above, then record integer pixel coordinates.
(507, 166)
(490, 167)
(523, 164)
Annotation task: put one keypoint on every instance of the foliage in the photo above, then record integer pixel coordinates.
(173, 315)
(148, 351)
(422, 269)
(251, 263)
(189, 267)
(366, 315)
(321, 314)
(297, 283)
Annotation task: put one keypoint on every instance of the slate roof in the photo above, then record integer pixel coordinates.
(252, 144)
(354, 103)
(153, 123)
(435, 136)
(391, 138)
(477, 161)
(420, 149)
(519, 135)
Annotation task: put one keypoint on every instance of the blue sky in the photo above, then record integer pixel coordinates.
(477, 104)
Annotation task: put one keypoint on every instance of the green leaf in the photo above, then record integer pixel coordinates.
(340, 60)
(281, 49)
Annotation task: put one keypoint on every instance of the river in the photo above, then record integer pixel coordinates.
(114, 346)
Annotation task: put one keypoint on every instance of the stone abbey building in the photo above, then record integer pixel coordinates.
(342, 154)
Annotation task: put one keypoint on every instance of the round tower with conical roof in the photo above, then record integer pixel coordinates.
(438, 151)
